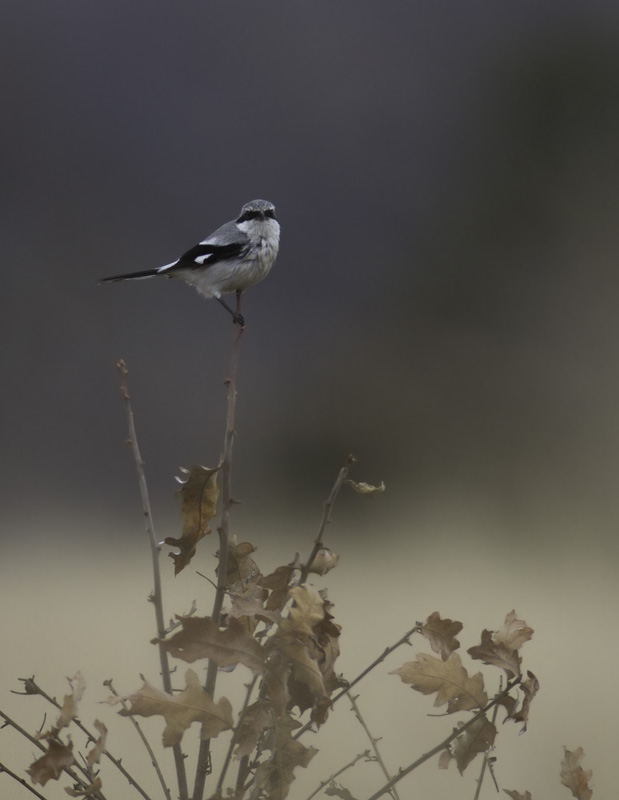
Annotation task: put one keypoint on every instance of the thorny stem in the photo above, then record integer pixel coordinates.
(203, 766)
(149, 750)
(457, 731)
(226, 764)
(179, 759)
(326, 517)
(32, 687)
(373, 741)
(331, 778)
(20, 780)
(403, 640)
(37, 743)
(485, 762)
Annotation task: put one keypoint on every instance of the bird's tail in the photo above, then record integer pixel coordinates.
(131, 276)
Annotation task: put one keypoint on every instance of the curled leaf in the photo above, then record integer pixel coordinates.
(449, 679)
(366, 488)
(50, 766)
(199, 495)
(574, 776)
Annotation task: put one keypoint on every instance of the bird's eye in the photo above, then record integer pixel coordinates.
(270, 212)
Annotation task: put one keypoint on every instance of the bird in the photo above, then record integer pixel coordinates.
(234, 257)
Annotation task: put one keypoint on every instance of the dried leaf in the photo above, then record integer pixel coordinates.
(305, 685)
(448, 678)
(241, 567)
(306, 612)
(441, 633)
(324, 561)
(517, 795)
(255, 720)
(193, 704)
(277, 582)
(274, 776)
(477, 738)
(529, 688)
(574, 776)
(201, 638)
(249, 603)
(95, 786)
(50, 766)
(444, 759)
(338, 791)
(94, 755)
(199, 495)
(496, 653)
(366, 488)
(513, 633)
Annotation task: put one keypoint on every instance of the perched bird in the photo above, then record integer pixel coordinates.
(231, 259)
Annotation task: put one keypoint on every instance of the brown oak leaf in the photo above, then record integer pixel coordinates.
(255, 720)
(241, 566)
(477, 738)
(201, 638)
(193, 704)
(50, 766)
(449, 679)
(275, 775)
(199, 495)
(87, 791)
(441, 633)
(513, 633)
(517, 795)
(529, 688)
(277, 583)
(94, 755)
(574, 776)
(307, 610)
(496, 653)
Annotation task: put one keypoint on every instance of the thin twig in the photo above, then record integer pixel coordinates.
(331, 778)
(326, 517)
(403, 640)
(24, 783)
(226, 764)
(32, 687)
(373, 741)
(145, 742)
(37, 743)
(204, 759)
(485, 761)
(456, 732)
(179, 760)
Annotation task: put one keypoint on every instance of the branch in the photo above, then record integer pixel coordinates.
(37, 743)
(203, 766)
(179, 759)
(373, 741)
(331, 778)
(226, 764)
(149, 750)
(456, 732)
(326, 517)
(24, 783)
(404, 640)
(486, 762)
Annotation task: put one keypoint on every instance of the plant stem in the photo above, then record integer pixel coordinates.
(326, 517)
(179, 759)
(485, 761)
(403, 772)
(373, 741)
(21, 780)
(327, 781)
(203, 766)
(226, 764)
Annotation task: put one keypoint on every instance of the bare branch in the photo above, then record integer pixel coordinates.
(23, 782)
(326, 517)
(149, 750)
(456, 732)
(224, 769)
(373, 741)
(179, 760)
(331, 778)
(204, 760)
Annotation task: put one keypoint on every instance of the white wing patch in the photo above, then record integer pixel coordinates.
(167, 266)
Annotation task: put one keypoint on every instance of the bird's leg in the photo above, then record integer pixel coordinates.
(237, 318)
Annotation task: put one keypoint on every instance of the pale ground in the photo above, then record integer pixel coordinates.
(70, 604)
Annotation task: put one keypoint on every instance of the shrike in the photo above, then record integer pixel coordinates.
(231, 259)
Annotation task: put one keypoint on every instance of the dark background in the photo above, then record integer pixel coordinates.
(444, 304)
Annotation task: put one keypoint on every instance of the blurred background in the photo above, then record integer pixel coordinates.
(444, 306)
